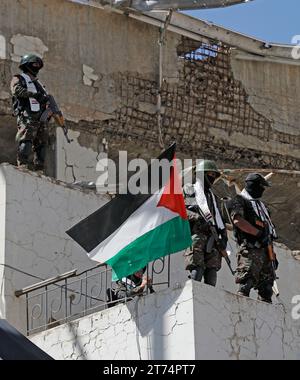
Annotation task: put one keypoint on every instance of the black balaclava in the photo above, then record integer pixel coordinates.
(32, 70)
(255, 189)
(208, 181)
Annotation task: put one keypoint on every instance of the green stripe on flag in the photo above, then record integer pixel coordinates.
(170, 237)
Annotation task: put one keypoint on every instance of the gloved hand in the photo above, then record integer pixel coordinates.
(40, 97)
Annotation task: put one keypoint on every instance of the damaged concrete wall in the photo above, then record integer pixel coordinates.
(107, 85)
(273, 90)
(195, 322)
(83, 56)
(103, 69)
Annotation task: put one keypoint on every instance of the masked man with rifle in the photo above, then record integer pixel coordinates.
(29, 102)
(254, 233)
(207, 226)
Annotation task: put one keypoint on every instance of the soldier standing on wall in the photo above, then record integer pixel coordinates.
(204, 215)
(254, 232)
(29, 102)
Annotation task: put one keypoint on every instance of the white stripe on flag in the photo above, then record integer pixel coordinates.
(146, 218)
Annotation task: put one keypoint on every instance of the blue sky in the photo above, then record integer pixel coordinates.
(270, 20)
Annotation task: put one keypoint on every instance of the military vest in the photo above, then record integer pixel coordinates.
(249, 215)
(23, 104)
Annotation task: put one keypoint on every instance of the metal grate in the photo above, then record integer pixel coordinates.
(70, 296)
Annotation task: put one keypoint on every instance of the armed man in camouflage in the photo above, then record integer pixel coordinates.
(204, 259)
(29, 102)
(254, 233)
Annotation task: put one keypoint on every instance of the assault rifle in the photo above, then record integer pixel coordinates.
(53, 110)
(272, 258)
(214, 239)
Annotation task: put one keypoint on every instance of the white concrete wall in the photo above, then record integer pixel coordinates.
(288, 273)
(35, 212)
(159, 326)
(229, 326)
(75, 162)
(34, 217)
(2, 237)
(195, 322)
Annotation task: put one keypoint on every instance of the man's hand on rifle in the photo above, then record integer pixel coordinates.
(263, 237)
(40, 97)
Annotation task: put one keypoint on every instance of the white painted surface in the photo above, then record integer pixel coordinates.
(26, 44)
(89, 77)
(195, 322)
(34, 217)
(74, 161)
(35, 212)
(288, 273)
(228, 326)
(2, 47)
(155, 327)
(2, 237)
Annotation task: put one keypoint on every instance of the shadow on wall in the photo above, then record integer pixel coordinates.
(8, 145)
(78, 343)
(152, 325)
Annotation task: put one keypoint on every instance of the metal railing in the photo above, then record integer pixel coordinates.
(71, 295)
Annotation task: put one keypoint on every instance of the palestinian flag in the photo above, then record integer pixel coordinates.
(131, 230)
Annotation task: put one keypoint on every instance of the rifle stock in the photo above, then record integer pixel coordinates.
(272, 258)
(222, 251)
(54, 111)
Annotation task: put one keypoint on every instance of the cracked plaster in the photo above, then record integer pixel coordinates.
(195, 322)
(38, 211)
(89, 78)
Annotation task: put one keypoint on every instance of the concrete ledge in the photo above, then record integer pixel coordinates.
(194, 322)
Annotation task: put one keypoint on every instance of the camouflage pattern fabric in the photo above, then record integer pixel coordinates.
(253, 263)
(31, 130)
(197, 256)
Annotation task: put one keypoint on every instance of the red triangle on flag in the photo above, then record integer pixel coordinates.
(172, 197)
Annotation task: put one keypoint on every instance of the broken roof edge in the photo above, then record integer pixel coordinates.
(196, 29)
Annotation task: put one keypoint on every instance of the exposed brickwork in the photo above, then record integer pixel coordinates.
(206, 103)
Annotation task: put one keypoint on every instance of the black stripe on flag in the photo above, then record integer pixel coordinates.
(91, 231)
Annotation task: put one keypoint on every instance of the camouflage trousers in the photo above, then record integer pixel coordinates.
(254, 270)
(31, 136)
(197, 257)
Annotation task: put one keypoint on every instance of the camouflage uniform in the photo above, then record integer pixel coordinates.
(254, 269)
(31, 134)
(197, 260)
(29, 102)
